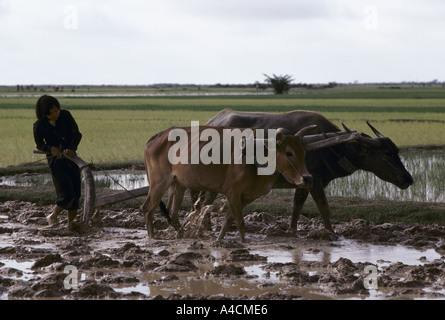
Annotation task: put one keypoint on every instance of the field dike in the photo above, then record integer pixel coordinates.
(114, 259)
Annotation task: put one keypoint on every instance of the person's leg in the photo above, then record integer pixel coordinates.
(66, 194)
(71, 216)
(76, 184)
(52, 218)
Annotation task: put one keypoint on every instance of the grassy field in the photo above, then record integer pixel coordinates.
(115, 129)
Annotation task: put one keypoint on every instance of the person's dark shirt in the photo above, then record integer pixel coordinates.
(64, 135)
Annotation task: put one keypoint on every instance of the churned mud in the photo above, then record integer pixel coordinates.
(114, 259)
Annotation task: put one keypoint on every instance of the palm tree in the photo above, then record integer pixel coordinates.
(281, 84)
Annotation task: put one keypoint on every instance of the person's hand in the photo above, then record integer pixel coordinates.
(56, 152)
(69, 153)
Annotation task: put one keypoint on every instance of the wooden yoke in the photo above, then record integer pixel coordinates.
(324, 140)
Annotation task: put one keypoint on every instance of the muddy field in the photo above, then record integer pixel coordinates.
(113, 259)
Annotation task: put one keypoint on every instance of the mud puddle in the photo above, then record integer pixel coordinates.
(113, 259)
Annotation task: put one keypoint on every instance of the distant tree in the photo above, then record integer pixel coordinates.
(280, 84)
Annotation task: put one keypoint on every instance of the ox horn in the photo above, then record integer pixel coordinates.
(376, 132)
(306, 130)
(367, 140)
(346, 128)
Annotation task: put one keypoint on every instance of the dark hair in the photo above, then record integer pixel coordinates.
(44, 104)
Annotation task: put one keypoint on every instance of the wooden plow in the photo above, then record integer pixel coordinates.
(91, 202)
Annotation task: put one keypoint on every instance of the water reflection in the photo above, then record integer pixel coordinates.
(381, 255)
(115, 180)
(122, 181)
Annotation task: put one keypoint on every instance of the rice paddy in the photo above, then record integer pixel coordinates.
(116, 129)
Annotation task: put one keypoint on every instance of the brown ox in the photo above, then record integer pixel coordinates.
(240, 183)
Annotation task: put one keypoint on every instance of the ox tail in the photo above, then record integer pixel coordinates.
(165, 212)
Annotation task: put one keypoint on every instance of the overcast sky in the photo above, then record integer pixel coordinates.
(220, 41)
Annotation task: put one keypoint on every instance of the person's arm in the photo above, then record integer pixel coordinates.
(38, 138)
(41, 144)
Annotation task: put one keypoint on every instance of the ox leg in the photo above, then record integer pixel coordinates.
(300, 197)
(150, 205)
(235, 213)
(176, 202)
(319, 197)
(240, 225)
(171, 196)
(226, 225)
(148, 215)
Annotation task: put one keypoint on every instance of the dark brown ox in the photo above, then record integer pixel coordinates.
(240, 183)
(378, 155)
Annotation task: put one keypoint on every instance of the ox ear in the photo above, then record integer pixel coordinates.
(305, 131)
